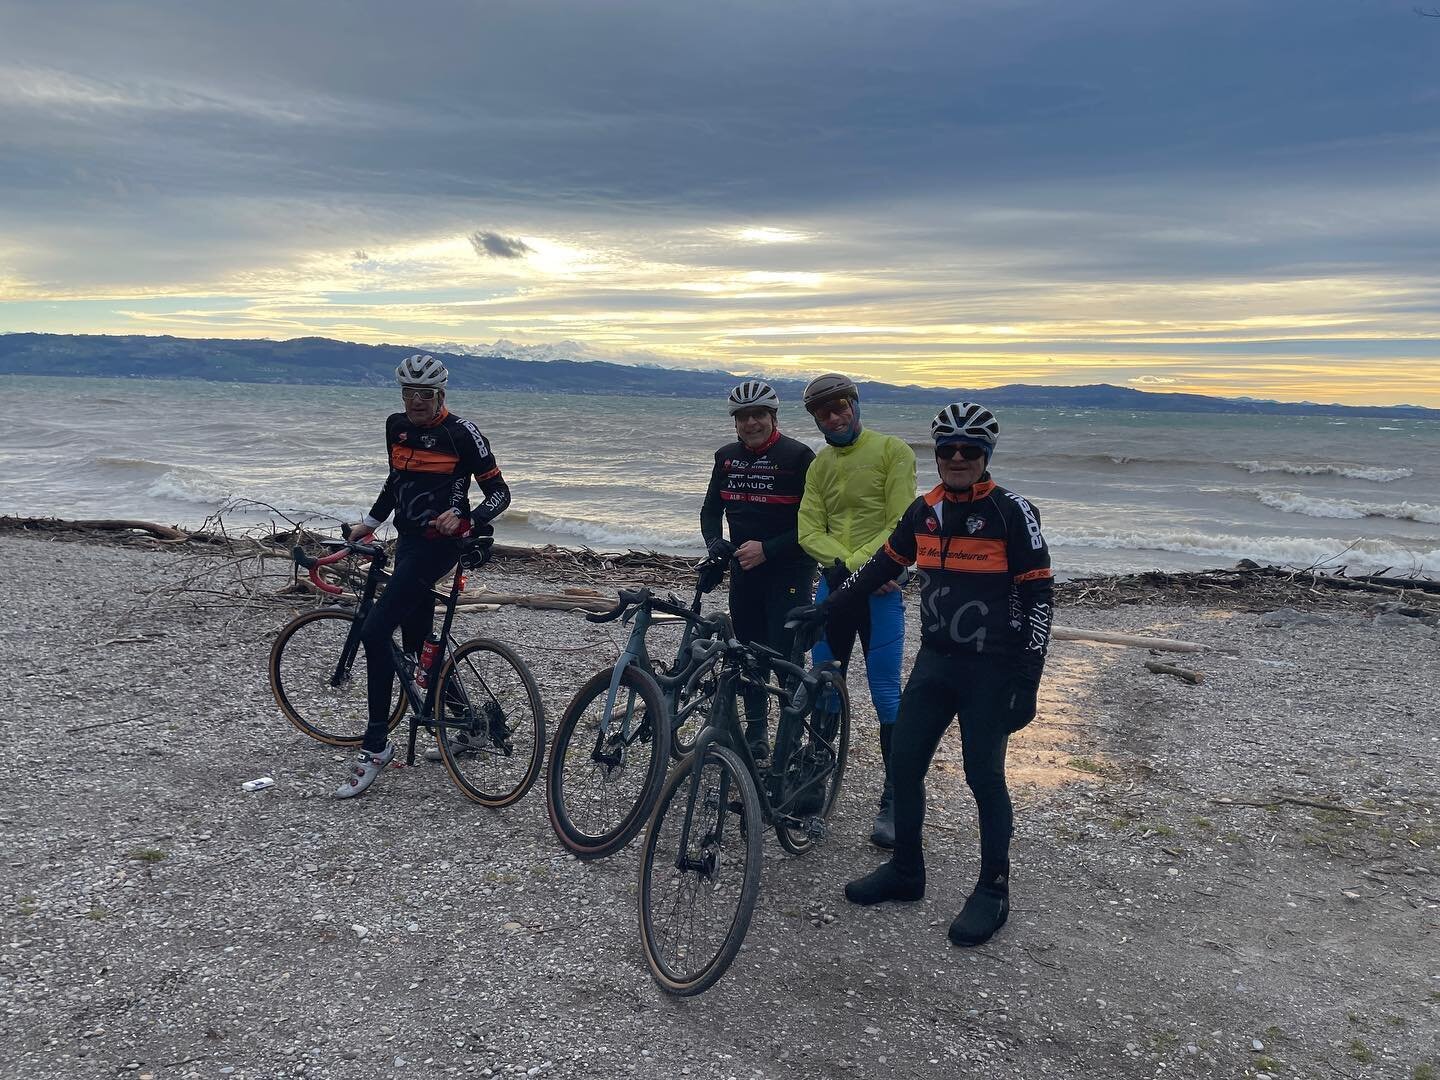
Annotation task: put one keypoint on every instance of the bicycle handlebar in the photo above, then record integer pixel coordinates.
(313, 563)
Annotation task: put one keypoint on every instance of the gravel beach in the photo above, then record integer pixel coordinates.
(1235, 878)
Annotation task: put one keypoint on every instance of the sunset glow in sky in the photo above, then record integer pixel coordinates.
(1232, 198)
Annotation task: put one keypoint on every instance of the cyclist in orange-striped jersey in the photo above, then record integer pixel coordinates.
(986, 598)
(433, 456)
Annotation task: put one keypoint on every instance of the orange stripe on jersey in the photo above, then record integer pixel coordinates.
(961, 553)
(1034, 575)
(486, 476)
(410, 459)
(898, 558)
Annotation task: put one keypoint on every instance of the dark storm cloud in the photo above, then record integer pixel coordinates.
(492, 244)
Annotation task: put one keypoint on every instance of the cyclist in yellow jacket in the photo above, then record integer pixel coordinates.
(857, 488)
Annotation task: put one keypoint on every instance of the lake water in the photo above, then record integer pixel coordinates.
(1118, 491)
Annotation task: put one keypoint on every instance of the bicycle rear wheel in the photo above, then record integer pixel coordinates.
(604, 774)
(490, 723)
(698, 885)
(321, 692)
(814, 767)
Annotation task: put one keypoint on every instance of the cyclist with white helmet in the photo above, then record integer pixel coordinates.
(986, 598)
(756, 485)
(433, 455)
(861, 483)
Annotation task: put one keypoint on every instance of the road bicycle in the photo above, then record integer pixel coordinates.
(607, 760)
(478, 697)
(700, 862)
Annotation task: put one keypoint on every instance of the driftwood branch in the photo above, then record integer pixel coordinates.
(1133, 641)
(1297, 800)
(1194, 678)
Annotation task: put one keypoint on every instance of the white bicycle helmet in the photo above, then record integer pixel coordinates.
(966, 421)
(751, 393)
(422, 370)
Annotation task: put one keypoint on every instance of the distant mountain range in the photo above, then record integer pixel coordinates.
(344, 363)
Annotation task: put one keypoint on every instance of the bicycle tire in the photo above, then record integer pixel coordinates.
(670, 813)
(490, 723)
(301, 679)
(598, 824)
(799, 841)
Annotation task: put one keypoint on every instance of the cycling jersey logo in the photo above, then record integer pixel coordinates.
(974, 523)
(932, 524)
(1037, 541)
(402, 436)
(427, 441)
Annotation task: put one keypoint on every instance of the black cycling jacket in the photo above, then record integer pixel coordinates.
(430, 471)
(759, 492)
(986, 587)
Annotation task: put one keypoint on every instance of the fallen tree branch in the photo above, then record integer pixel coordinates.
(1133, 641)
(1296, 800)
(1194, 678)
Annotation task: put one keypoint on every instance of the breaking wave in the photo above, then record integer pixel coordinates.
(1378, 473)
(1348, 509)
(1283, 550)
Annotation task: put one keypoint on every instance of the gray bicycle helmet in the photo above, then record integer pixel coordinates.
(966, 422)
(829, 387)
(421, 369)
(752, 393)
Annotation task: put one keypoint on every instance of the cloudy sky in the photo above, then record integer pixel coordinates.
(1236, 198)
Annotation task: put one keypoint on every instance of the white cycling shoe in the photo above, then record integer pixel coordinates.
(364, 771)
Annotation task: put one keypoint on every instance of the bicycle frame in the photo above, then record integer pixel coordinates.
(723, 726)
(422, 708)
(643, 608)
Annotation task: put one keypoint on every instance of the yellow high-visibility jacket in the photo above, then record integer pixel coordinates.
(854, 496)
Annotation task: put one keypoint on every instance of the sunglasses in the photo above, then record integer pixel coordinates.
(965, 450)
(418, 393)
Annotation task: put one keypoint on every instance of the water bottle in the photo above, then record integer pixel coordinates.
(428, 656)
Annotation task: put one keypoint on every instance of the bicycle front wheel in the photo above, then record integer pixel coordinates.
(700, 872)
(490, 723)
(817, 748)
(605, 772)
(319, 687)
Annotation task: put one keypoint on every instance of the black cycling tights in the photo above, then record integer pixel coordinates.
(408, 603)
(941, 687)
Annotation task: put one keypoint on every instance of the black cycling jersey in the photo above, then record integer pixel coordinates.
(759, 492)
(986, 586)
(430, 471)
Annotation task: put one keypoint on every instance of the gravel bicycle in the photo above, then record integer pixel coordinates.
(607, 760)
(478, 697)
(700, 864)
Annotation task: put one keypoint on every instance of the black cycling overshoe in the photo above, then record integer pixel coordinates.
(886, 883)
(985, 912)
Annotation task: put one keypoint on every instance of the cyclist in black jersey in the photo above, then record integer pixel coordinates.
(986, 598)
(756, 485)
(433, 455)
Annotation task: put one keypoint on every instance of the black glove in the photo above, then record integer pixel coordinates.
(836, 576)
(808, 623)
(719, 549)
(477, 545)
(1019, 703)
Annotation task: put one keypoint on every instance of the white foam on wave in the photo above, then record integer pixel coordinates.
(1378, 473)
(188, 485)
(1283, 550)
(1292, 502)
(608, 533)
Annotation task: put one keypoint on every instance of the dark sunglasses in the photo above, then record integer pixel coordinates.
(965, 450)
